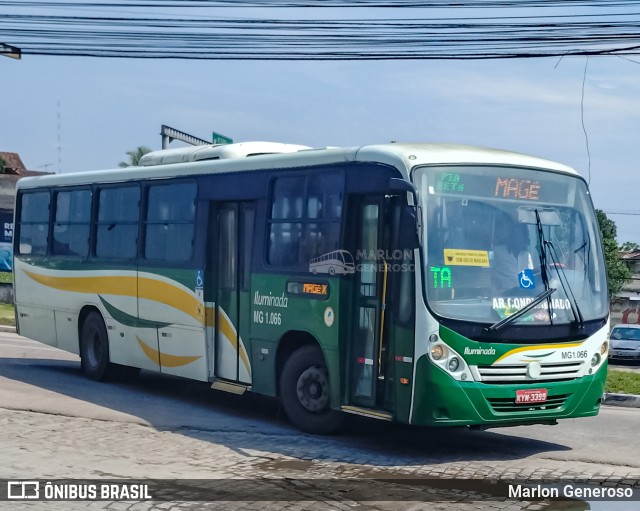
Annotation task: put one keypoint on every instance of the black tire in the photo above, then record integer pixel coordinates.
(305, 393)
(94, 348)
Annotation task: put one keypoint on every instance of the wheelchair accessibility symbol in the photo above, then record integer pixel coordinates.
(526, 279)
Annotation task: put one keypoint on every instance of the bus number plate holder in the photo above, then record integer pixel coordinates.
(527, 396)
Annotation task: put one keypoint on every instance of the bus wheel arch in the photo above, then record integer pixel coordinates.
(84, 312)
(303, 384)
(93, 344)
(93, 348)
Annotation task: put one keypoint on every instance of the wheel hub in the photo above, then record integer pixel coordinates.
(313, 389)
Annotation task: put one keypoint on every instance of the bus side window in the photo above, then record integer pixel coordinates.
(71, 225)
(170, 222)
(34, 223)
(287, 205)
(117, 225)
(305, 218)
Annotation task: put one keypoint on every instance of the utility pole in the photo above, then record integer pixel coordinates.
(10, 51)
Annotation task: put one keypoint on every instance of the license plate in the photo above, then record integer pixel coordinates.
(531, 396)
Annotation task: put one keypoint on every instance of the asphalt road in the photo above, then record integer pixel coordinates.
(625, 365)
(169, 425)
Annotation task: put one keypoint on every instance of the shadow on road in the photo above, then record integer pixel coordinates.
(247, 422)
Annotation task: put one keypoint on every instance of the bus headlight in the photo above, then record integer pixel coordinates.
(595, 360)
(450, 361)
(437, 352)
(604, 348)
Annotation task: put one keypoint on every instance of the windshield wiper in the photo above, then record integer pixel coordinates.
(543, 262)
(562, 277)
(537, 300)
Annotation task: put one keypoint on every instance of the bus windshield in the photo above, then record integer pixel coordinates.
(498, 237)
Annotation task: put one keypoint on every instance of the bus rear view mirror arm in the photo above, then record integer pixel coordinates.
(400, 185)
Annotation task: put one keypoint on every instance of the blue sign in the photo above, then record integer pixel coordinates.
(6, 256)
(526, 279)
(200, 279)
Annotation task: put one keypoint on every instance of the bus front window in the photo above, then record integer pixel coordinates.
(497, 237)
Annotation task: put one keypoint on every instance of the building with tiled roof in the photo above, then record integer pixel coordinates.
(12, 163)
(14, 169)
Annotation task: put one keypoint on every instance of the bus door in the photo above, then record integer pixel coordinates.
(371, 347)
(230, 263)
(382, 332)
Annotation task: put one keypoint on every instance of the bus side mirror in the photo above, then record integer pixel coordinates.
(409, 226)
(400, 185)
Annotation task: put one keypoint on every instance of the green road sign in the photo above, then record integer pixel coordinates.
(217, 138)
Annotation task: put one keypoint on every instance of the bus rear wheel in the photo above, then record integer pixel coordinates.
(305, 392)
(94, 348)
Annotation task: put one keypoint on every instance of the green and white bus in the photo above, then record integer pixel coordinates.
(478, 293)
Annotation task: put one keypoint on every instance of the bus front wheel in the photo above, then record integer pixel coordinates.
(94, 348)
(305, 393)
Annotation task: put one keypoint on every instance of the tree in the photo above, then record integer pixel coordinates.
(618, 273)
(2, 165)
(134, 157)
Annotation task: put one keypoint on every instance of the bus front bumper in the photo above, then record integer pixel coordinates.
(441, 400)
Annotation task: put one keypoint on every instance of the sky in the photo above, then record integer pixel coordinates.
(68, 114)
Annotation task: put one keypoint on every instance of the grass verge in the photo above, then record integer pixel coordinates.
(7, 316)
(622, 382)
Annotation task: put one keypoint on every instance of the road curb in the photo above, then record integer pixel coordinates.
(8, 329)
(628, 400)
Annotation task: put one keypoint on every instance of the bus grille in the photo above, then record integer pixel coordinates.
(518, 373)
(508, 404)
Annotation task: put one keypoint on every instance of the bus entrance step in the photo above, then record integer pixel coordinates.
(225, 386)
(368, 412)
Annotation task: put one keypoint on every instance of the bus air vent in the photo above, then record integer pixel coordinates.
(508, 404)
(517, 373)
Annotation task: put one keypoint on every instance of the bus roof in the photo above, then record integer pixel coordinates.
(403, 156)
(217, 152)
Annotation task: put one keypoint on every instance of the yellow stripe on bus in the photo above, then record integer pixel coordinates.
(164, 359)
(542, 347)
(108, 285)
(227, 328)
(169, 294)
(149, 289)
(142, 287)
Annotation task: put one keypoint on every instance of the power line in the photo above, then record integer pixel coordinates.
(333, 4)
(167, 36)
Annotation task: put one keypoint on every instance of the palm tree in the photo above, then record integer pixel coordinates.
(134, 157)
